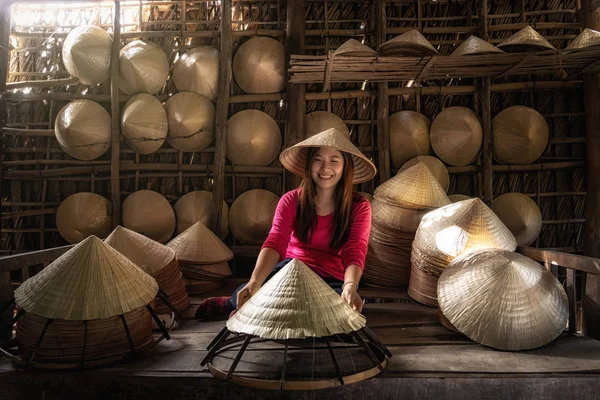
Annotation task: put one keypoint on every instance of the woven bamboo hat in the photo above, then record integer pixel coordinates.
(319, 121)
(587, 38)
(90, 281)
(521, 216)
(520, 135)
(294, 158)
(149, 213)
(411, 43)
(456, 136)
(436, 167)
(354, 48)
(526, 40)
(197, 206)
(455, 198)
(295, 304)
(144, 252)
(86, 54)
(259, 66)
(253, 138)
(197, 244)
(144, 123)
(81, 215)
(251, 215)
(503, 300)
(475, 45)
(82, 129)
(143, 68)
(198, 71)
(409, 136)
(191, 121)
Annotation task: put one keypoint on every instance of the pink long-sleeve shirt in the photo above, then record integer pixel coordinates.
(324, 260)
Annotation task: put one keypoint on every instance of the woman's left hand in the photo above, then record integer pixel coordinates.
(350, 295)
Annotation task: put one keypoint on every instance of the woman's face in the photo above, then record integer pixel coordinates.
(327, 167)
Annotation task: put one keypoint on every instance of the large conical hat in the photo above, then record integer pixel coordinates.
(409, 136)
(503, 300)
(253, 138)
(197, 206)
(475, 45)
(319, 121)
(521, 216)
(197, 70)
(144, 123)
(411, 43)
(149, 213)
(520, 135)
(354, 48)
(81, 215)
(197, 244)
(86, 53)
(587, 38)
(456, 136)
(294, 158)
(90, 281)
(437, 168)
(527, 39)
(191, 121)
(251, 215)
(144, 252)
(259, 66)
(143, 68)
(294, 304)
(415, 187)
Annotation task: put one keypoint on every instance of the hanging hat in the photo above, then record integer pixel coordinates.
(455, 198)
(86, 53)
(82, 129)
(197, 244)
(143, 68)
(587, 38)
(294, 158)
(251, 215)
(149, 213)
(475, 45)
(197, 70)
(520, 135)
(526, 40)
(90, 281)
(521, 216)
(409, 136)
(456, 136)
(144, 123)
(259, 66)
(436, 167)
(503, 300)
(81, 215)
(295, 304)
(411, 43)
(253, 138)
(354, 48)
(319, 121)
(191, 121)
(195, 207)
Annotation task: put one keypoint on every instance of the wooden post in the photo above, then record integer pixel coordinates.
(486, 115)
(218, 192)
(115, 112)
(383, 101)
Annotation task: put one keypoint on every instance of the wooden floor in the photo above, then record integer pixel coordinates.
(429, 361)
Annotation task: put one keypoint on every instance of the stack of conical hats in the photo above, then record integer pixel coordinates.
(202, 258)
(295, 304)
(436, 167)
(89, 306)
(397, 209)
(447, 233)
(157, 260)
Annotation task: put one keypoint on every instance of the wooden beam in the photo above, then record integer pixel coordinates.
(486, 115)
(590, 265)
(19, 261)
(115, 188)
(383, 101)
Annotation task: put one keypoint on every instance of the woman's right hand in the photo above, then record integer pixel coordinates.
(247, 291)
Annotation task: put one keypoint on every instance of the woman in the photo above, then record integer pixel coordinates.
(322, 223)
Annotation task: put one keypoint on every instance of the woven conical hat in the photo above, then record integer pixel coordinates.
(520, 135)
(521, 216)
(86, 54)
(251, 215)
(456, 136)
(90, 281)
(475, 45)
(527, 39)
(149, 213)
(198, 71)
(191, 121)
(455, 198)
(354, 48)
(259, 66)
(144, 252)
(319, 121)
(410, 43)
(294, 304)
(366, 195)
(409, 136)
(436, 167)
(415, 187)
(294, 158)
(253, 138)
(82, 129)
(503, 300)
(197, 206)
(144, 123)
(143, 68)
(81, 215)
(587, 38)
(197, 244)
(458, 228)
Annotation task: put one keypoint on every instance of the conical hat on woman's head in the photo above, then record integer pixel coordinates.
(319, 121)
